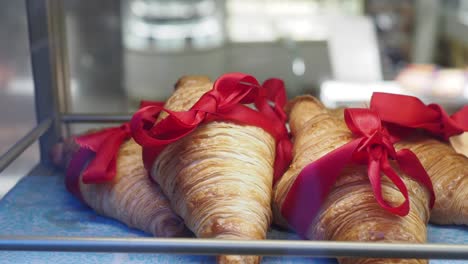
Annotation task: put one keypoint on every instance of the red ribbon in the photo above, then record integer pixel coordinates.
(373, 146)
(410, 112)
(225, 101)
(96, 158)
(99, 151)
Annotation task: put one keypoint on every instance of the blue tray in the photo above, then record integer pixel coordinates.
(40, 205)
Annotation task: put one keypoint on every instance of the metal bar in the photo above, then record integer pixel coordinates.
(20, 146)
(45, 47)
(95, 118)
(62, 69)
(242, 247)
(59, 36)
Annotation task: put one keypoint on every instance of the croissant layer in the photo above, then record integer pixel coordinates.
(131, 197)
(219, 177)
(448, 171)
(350, 212)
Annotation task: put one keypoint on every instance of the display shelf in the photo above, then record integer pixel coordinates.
(40, 215)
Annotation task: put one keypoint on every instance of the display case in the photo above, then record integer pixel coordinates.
(42, 223)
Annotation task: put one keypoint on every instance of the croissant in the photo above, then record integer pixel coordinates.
(449, 174)
(131, 197)
(350, 212)
(219, 177)
(448, 171)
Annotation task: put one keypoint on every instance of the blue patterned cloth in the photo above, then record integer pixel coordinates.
(40, 205)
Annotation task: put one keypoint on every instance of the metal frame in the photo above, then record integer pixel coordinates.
(244, 247)
(24, 143)
(47, 50)
(50, 76)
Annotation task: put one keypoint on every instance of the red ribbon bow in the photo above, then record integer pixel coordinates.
(225, 101)
(103, 146)
(410, 112)
(96, 158)
(373, 146)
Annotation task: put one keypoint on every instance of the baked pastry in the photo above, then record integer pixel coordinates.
(350, 212)
(131, 197)
(219, 177)
(449, 174)
(448, 171)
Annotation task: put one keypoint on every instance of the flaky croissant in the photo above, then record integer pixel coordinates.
(131, 197)
(219, 177)
(448, 172)
(350, 212)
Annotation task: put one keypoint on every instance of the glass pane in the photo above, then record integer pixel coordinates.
(17, 112)
(120, 54)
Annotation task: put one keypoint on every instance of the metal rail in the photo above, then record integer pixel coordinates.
(20, 146)
(242, 247)
(45, 22)
(95, 118)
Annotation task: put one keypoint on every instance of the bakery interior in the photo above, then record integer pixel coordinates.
(119, 52)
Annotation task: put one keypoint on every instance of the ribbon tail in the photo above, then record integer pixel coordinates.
(264, 107)
(277, 94)
(150, 155)
(75, 167)
(103, 167)
(411, 166)
(312, 186)
(375, 166)
(94, 140)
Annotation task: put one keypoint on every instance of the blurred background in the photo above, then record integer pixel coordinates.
(340, 50)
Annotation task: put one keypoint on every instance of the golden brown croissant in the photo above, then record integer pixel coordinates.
(219, 177)
(448, 172)
(350, 212)
(131, 197)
